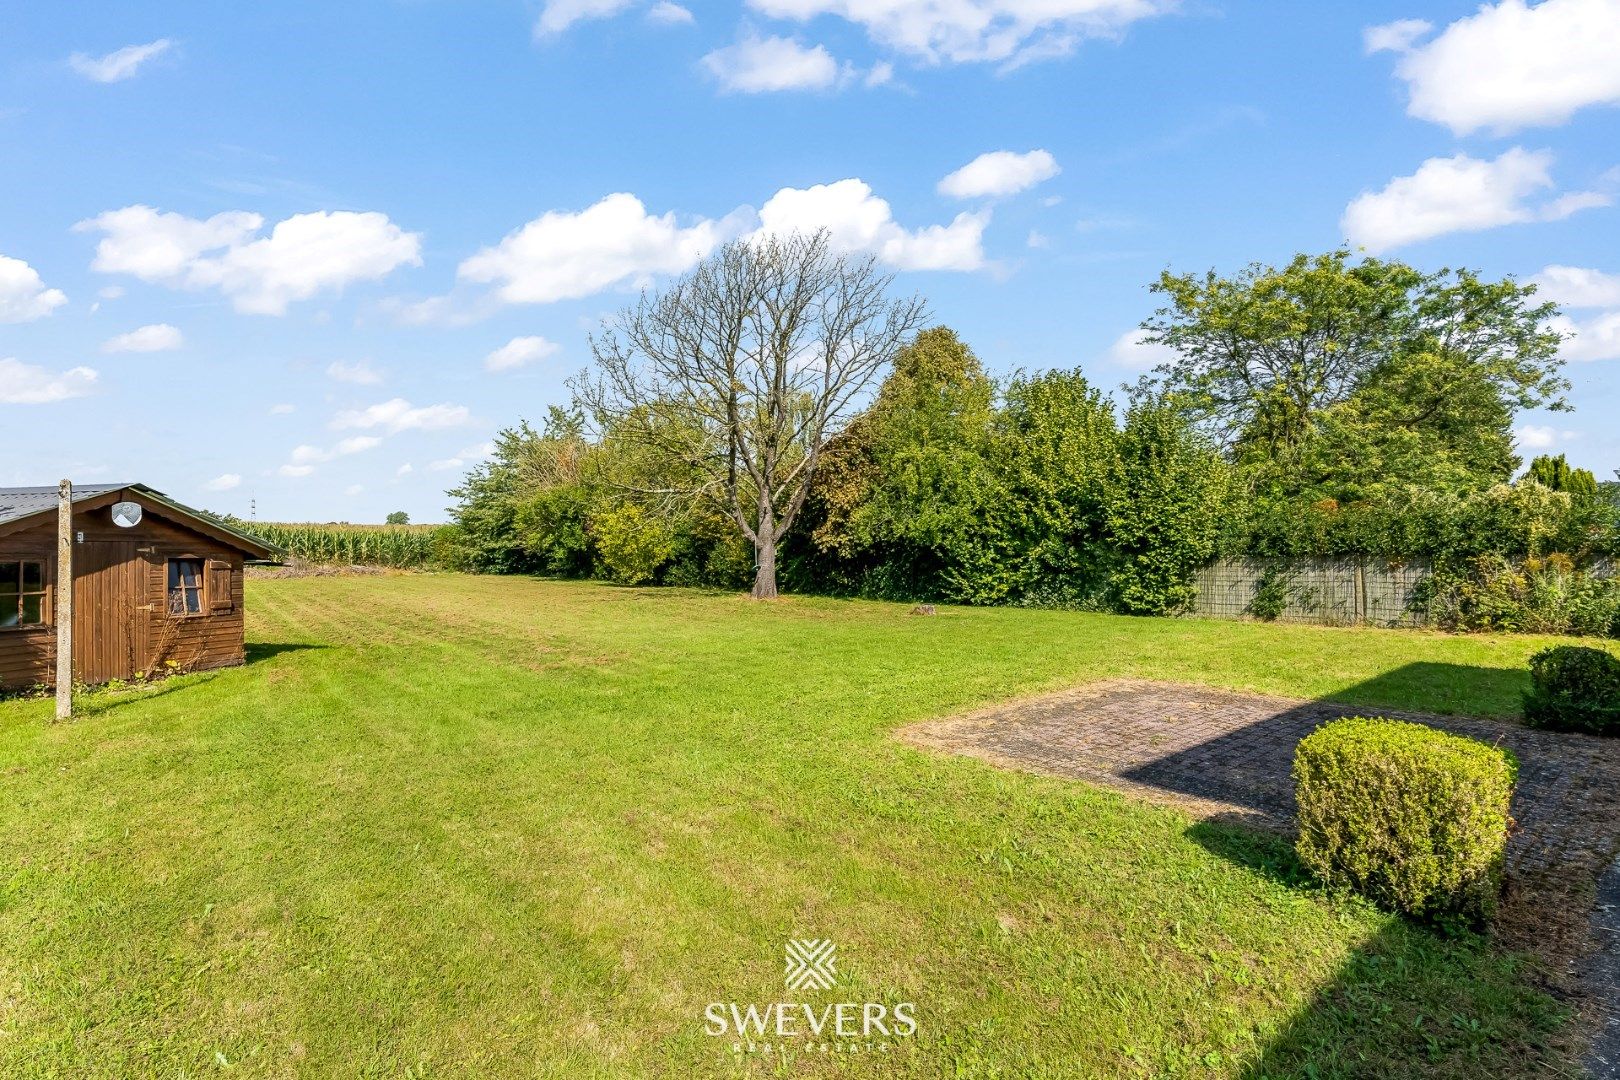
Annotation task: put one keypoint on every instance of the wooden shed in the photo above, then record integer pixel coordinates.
(156, 588)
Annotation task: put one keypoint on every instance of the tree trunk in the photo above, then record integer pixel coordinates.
(765, 575)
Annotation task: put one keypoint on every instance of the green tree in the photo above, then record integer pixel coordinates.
(1555, 473)
(908, 494)
(743, 371)
(1428, 420)
(524, 509)
(398, 517)
(1307, 372)
(1168, 490)
(1055, 444)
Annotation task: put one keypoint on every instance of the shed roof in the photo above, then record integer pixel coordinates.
(18, 503)
(21, 502)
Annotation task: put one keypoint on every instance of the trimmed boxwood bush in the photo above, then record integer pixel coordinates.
(1413, 818)
(1574, 688)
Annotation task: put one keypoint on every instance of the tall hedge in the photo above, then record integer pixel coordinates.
(1413, 818)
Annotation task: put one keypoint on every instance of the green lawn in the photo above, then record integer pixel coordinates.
(454, 826)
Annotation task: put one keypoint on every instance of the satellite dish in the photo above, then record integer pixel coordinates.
(126, 515)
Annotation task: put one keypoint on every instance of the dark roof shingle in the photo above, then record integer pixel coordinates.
(21, 502)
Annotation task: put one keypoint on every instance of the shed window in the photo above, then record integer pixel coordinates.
(185, 586)
(22, 594)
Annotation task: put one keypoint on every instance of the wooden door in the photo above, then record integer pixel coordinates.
(111, 610)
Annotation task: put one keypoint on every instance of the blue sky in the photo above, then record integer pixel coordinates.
(314, 255)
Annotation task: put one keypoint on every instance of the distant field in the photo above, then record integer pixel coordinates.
(460, 826)
(401, 547)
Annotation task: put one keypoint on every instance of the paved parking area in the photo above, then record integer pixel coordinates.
(1215, 752)
(1218, 754)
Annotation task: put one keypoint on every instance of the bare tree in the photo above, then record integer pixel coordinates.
(737, 376)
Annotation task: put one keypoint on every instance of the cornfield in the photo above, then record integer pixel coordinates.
(395, 546)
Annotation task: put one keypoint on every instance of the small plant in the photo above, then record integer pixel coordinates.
(1270, 595)
(1574, 688)
(1413, 818)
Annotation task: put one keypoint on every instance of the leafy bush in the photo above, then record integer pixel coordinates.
(1270, 595)
(631, 543)
(1574, 689)
(1538, 595)
(1413, 818)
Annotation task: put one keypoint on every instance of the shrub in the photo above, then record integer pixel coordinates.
(631, 543)
(1539, 595)
(1574, 689)
(1413, 818)
(1270, 595)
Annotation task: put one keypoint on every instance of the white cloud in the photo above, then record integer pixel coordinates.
(1460, 194)
(304, 458)
(1397, 36)
(356, 444)
(1038, 239)
(354, 489)
(26, 384)
(1573, 287)
(446, 464)
(23, 295)
(399, 415)
(158, 337)
(359, 373)
(110, 292)
(405, 469)
(519, 352)
(1132, 350)
(668, 14)
(559, 15)
(616, 243)
(283, 409)
(859, 221)
(1597, 338)
(1510, 66)
(156, 246)
(1000, 172)
(459, 308)
(119, 65)
(564, 256)
(224, 482)
(304, 255)
(1010, 31)
(1535, 437)
(757, 65)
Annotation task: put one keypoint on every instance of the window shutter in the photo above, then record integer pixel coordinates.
(219, 586)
